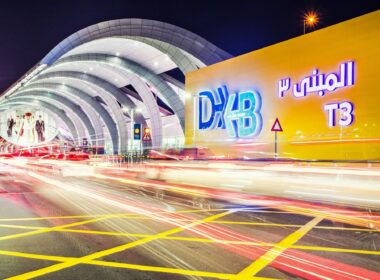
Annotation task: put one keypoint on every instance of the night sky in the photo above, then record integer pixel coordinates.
(31, 28)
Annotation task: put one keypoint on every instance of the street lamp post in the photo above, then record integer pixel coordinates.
(131, 112)
(132, 127)
(310, 19)
(194, 118)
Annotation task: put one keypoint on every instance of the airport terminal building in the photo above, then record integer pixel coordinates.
(100, 81)
(313, 97)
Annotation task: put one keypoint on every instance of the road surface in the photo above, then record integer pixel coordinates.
(54, 226)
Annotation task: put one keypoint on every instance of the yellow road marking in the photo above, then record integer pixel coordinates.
(162, 269)
(102, 217)
(336, 250)
(59, 266)
(52, 218)
(348, 229)
(127, 215)
(290, 225)
(206, 240)
(20, 227)
(124, 265)
(169, 270)
(359, 221)
(255, 223)
(277, 250)
(44, 230)
(35, 256)
(258, 224)
(219, 222)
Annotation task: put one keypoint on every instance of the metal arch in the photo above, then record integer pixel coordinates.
(60, 113)
(158, 82)
(140, 85)
(113, 127)
(76, 109)
(114, 113)
(80, 128)
(92, 106)
(183, 62)
(181, 38)
(107, 88)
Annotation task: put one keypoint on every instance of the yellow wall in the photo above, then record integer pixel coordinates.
(306, 132)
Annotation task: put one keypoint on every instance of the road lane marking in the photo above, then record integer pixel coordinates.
(170, 270)
(50, 229)
(292, 225)
(134, 215)
(52, 218)
(277, 250)
(255, 224)
(100, 254)
(335, 250)
(20, 227)
(35, 256)
(205, 240)
(102, 217)
(125, 265)
(333, 216)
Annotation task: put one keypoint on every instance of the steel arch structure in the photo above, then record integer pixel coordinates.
(109, 71)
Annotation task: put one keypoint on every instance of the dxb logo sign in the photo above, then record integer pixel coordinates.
(238, 112)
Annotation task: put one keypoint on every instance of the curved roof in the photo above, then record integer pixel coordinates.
(110, 72)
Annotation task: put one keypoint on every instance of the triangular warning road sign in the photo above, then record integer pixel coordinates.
(147, 137)
(276, 126)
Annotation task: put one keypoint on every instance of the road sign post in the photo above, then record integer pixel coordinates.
(137, 131)
(276, 128)
(147, 136)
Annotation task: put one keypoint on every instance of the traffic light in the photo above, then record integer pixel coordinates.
(137, 131)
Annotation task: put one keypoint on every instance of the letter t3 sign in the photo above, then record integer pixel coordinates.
(276, 128)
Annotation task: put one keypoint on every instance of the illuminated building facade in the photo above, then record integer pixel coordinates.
(323, 87)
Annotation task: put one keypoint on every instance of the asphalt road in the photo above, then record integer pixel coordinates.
(68, 227)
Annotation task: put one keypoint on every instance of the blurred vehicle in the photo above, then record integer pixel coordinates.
(6, 155)
(49, 156)
(70, 157)
(199, 153)
(77, 156)
(23, 153)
